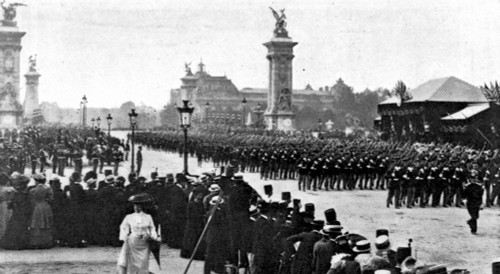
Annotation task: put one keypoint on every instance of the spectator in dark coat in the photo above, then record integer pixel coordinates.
(218, 246)
(323, 251)
(194, 227)
(108, 214)
(76, 195)
(302, 261)
(60, 206)
(262, 245)
(176, 215)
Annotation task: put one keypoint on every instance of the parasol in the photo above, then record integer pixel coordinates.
(154, 247)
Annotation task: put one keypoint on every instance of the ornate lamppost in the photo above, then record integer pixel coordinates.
(185, 113)
(110, 120)
(133, 121)
(93, 121)
(244, 103)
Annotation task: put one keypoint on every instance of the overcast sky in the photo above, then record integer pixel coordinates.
(114, 51)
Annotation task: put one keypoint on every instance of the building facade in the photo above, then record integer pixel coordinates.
(446, 109)
(216, 99)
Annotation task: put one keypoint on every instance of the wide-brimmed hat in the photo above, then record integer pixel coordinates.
(362, 246)
(140, 198)
(39, 177)
(110, 179)
(214, 188)
(20, 181)
(382, 242)
(91, 181)
(214, 200)
(253, 211)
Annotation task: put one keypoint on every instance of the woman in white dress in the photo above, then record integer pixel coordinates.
(135, 232)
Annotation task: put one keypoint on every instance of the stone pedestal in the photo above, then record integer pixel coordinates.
(10, 46)
(279, 114)
(31, 97)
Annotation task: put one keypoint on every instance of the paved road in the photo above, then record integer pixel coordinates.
(440, 235)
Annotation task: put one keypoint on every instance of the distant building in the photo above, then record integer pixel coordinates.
(447, 109)
(225, 100)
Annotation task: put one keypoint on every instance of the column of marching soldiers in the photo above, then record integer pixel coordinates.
(413, 174)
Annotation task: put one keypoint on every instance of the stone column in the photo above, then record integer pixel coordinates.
(279, 114)
(10, 47)
(31, 97)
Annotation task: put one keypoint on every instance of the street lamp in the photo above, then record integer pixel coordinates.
(93, 121)
(133, 121)
(98, 122)
(110, 120)
(185, 113)
(244, 103)
(320, 124)
(84, 114)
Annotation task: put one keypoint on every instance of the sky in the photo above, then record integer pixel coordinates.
(116, 51)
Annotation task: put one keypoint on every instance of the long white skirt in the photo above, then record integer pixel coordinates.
(134, 255)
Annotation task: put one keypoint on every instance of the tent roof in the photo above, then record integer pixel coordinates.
(449, 89)
(467, 112)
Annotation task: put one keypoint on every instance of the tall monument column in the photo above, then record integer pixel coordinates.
(31, 97)
(279, 114)
(10, 47)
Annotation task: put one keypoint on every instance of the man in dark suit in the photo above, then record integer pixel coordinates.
(139, 160)
(262, 244)
(303, 259)
(473, 193)
(176, 214)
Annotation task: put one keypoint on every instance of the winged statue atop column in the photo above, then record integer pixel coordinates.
(280, 18)
(9, 9)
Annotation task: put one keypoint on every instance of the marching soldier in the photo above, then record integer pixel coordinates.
(395, 179)
(473, 194)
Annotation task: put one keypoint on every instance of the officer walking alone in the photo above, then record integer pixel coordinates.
(473, 193)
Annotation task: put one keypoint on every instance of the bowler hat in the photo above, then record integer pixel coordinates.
(330, 215)
(381, 231)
